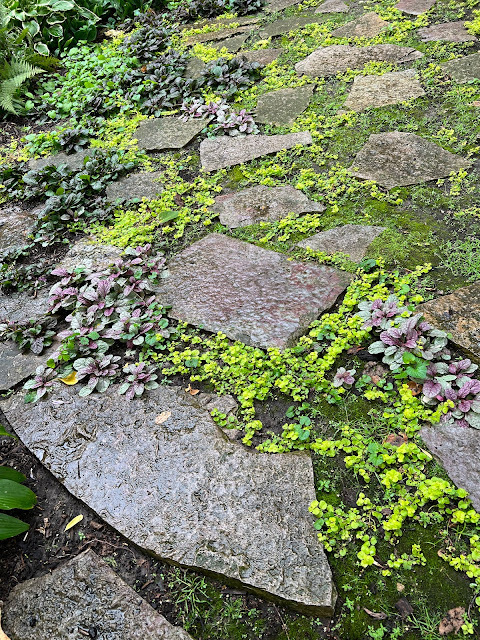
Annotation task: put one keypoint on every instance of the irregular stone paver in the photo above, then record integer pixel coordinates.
(279, 5)
(216, 35)
(262, 56)
(73, 161)
(262, 203)
(450, 31)
(283, 106)
(136, 185)
(20, 307)
(232, 44)
(94, 256)
(351, 239)
(415, 7)
(167, 133)
(15, 226)
(225, 151)
(379, 91)
(367, 26)
(279, 27)
(328, 61)
(458, 450)
(463, 69)
(181, 490)
(194, 69)
(222, 22)
(396, 159)
(262, 298)
(459, 315)
(83, 597)
(332, 6)
(16, 366)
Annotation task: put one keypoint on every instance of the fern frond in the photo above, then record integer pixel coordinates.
(12, 76)
(45, 62)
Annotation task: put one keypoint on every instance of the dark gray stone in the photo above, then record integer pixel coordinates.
(16, 366)
(225, 151)
(379, 91)
(167, 133)
(337, 58)
(415, 7)
(20, 307)
(232, 44)
(279, 27)
(450, 31)
(333, 6)
(261, 203)
(396, 159)
(216, 35)
(73, 161)
(93, 256)
(15, 226)
(136, 185)
(367, 26)
(83, 594)
(351, 239)
(463, 69)
(458, 450)
(194, 69)
(262, 298)
(160, 471)
(223, 22)
(262, 56)
(279, 5)
(282, 107)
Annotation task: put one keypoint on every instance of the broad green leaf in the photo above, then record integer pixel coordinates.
(166, 216)
(41, 48)
(10, 527)
(15, 496)
(7, 473)
(4, 432)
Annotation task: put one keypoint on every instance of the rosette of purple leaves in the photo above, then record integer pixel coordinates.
(344, 378)
(228, 77)
(100, 372)
(140, 377)
(34, 335)
(379, 314)
(40, 384)
(221, 117)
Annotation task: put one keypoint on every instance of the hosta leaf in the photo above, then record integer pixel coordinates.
(15, 496)
(10, 527)
(7, 473)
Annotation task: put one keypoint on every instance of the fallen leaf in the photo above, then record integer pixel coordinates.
(476, 103)
(452, 622)
(192, 392)
(73, 522)
(3, 635)
(415, 388)
(396, 439)
(163, 417)
(353, 350)
(375, 616)
(96, 525)
(404, 608)
(400, 587)
(377, 564)
(70, 379)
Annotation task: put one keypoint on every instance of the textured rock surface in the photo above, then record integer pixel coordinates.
(81, 595)
(16, 366)
(19, 307)
(181, 490)
(167, 133)
(283, 106)
(222, 34)
(279, 5)
(451, 31)
(279, 27)
(328, 61)
(463, 69)
(262, 203)
(458, 314)
(136, 185)
(262, 56)
(367, 26)
(351, 239)
(458, 449)
(415, 7)
(232, 44)
(73, 160)
(225, 151)
(379, 91)
(15, 226)
(262, 298)
(333, 6)
(85, 253)
(396, 159)
(194, 69)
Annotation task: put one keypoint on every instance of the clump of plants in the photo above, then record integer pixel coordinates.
(228, 77)
(221, 117)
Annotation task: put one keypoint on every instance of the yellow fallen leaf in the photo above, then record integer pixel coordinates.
(70, 379)
(163, 417)
(73, 522)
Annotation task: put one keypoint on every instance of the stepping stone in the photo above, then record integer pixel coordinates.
(458, 450)
(195, 68)
(216, 35)
(167, 133)
(415, 7)
(136, 185)
(179, 489)
(20, 307)
(350, 239)
(337, 58)
(16, 366)
(16, 224)
(266, 300)
(367, 26)
(262, 56)
(83, 597)
(380, 91)
(459, 315)
(232, 44)
(279, 5)
(279, 27)
(74, 161)
(261, 203)
(93, 256)
(333, 6)
(223, 22)
(450, 31)
(463, 69)
(397, 159)
(225, 151)
(282, 107)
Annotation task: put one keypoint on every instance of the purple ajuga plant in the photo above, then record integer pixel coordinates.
(344, 377)
(40, 384)
(221, 116)
(100, 371)
(140, 377)
(379, 314)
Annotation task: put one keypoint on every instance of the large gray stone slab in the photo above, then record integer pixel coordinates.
(415, 7)
(181, 490)
(91, 255)
(396, 159)
(15, 366)
(136, 185)
(463, 69)
(285, 25)
(167, 133)
(249, 293)
(337, 58)
(262, 204)
(225, 151)
(74, 161)
(262, 56)
(380, 91)
(282, 107)
(195, 68)
(232, 44)
(450, 31)
(20, 307)
(15, 226)
(83, 597)
(223, 22)
(351, 239)
(279, 5)
(332, 6)
(367, 26)
(222, 34)
(458, 450)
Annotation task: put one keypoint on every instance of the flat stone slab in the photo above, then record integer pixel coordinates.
(136, 185)
(83, 597)
(285, 25)
(232, 44)
(415, 7)
(458, 450)
(351, 239)
(74, 161)
(20, 307)
(279, 5)
(459, 315)
(181, 490)
(282, 107)
(15, 226)
(450, 31)
(397, 159)
(262, 56)
(463, 69)
(367, 26)
(167, 133)
(225, 151)
(380, 91)
(16, 366)
(333, 6)
(93, 256)
(222, 34)
(195, 68)
(261, 203)
(337, 58)
(262, 298)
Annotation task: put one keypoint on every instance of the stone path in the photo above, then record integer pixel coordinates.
(282, 107)
(285, 25)
(332, 6)
(279, 5)
(415, 7)
(167, 133)
(88, 253)
(222, 34)
(350, 239)
(463, 69)
(367, 26)
(450, 31)
(232, 44)
(380, 91)
(73, 161)
(16, 224)
(136, 185)
(262, 56)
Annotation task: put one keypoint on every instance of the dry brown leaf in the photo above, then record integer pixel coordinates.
(415, 388)
(375, 616)
(452, 622)
(404, 608)
(476, 103)
(396, 439)
(353, 350)
(191, 391)
(163, 417)
(400, 587)
(3, 635)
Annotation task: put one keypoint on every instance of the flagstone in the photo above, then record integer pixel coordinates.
(226, 151)
(136, 185)
(167, 133)
(262, 56)
(194, 69)
(91, 255)
(333, 6)
(282, 107)
(16, 224)
(279, 5)
(232, 44)
(380, 91)
(367, 26)
(415, 7)
(285, 25)
(450, 31)
(463, 69)
(337, 58)
(262, 298)
(73, 161)
(395, 159)
(222, 34)
(262, 204)
(179, 489)
(350, 239)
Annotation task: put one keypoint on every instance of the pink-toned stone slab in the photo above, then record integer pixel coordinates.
(333, 6)
(449, 31)
(415, 7)
(367, 26)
